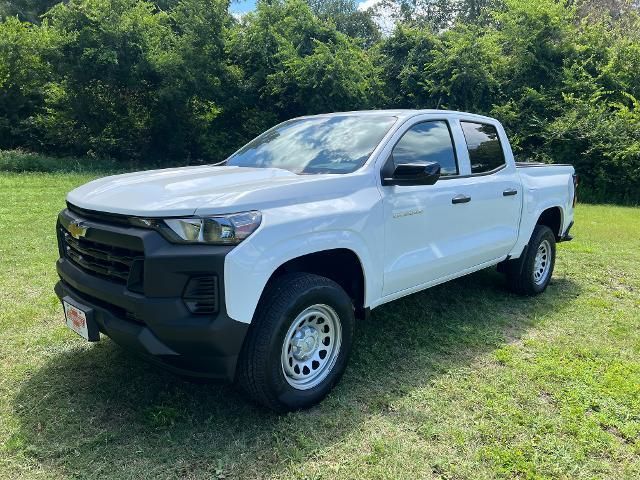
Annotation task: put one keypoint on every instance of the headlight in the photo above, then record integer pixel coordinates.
(216, 230)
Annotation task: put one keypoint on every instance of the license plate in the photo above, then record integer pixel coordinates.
(76, 320)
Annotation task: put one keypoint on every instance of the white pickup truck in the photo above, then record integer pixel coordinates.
(255, 271)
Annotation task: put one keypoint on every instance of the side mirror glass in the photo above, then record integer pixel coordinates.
(414, 174)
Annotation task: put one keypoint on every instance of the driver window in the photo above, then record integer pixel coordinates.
(428, 142)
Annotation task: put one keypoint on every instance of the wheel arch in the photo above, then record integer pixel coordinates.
(552, 217)
(342, 265)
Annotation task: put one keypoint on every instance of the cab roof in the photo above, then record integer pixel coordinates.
(401, 113)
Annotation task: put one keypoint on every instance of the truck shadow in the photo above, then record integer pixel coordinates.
(98, 411)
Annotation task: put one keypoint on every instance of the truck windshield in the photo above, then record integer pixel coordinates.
(331, 144)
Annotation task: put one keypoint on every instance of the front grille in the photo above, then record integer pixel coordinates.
(102, 260)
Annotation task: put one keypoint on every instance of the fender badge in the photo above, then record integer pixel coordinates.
(77, 229)
(416, 211)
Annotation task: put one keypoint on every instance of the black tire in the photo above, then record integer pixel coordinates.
(261, 367)
(521, 273)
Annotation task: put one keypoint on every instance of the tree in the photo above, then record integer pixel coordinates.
(296, 64)
(199, 85)
(23, 75)
(439, 15)
(107, 68)
(404, 58)
(26, 10)
(599, 9)
(348, 19)
(453, 70)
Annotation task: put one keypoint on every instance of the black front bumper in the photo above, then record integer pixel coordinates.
(155, 320)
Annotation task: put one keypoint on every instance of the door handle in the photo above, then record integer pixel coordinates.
(461, 199)
(509, 192)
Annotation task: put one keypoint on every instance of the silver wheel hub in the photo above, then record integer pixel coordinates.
(311, 346)
(542, 263)
(304, 342)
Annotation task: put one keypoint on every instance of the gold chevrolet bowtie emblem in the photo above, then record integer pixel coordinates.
(77, 229)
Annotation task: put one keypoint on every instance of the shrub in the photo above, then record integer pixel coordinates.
(21, 161)
(183, 81)
(602, 141)
(107, 72)
(23, 75)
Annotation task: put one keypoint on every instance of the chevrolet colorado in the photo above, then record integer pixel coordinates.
(255, 271)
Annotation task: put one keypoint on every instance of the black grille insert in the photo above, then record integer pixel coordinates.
(106, 261)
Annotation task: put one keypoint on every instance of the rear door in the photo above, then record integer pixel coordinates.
(495, 192)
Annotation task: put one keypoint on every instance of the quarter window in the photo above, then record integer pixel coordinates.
(483, 144)
(427, 142)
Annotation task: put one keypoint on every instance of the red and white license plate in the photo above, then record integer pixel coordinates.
(76, 320)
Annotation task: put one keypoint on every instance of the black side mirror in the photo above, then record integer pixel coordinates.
(414, 174)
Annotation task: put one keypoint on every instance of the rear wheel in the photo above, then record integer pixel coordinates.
(299, 344)
(530, 274)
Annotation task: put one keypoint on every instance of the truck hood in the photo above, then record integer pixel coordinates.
(186, 191)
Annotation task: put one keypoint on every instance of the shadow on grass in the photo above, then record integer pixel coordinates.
(98, 411)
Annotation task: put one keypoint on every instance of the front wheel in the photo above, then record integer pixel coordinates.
(299, 344)
(531, 274)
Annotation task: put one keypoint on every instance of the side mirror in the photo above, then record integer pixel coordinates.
(414, 174)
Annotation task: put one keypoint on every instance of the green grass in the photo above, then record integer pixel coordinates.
(462, 381)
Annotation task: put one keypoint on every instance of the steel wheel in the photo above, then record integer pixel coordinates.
(311, 347)
(542, 263)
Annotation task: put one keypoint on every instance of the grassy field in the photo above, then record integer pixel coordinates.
(462, 381)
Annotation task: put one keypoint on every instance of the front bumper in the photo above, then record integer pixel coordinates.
(155, 321)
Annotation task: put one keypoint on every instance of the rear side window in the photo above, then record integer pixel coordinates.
(483, 143)
(427, 142)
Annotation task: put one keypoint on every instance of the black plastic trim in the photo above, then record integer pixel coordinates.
(566, 236)
(483, 174)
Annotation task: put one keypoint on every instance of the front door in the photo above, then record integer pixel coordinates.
(427, 229)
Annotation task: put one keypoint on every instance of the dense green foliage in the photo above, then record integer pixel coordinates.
(185, 81)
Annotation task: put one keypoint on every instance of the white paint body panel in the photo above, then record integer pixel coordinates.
(406, 238)
(444, 239)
